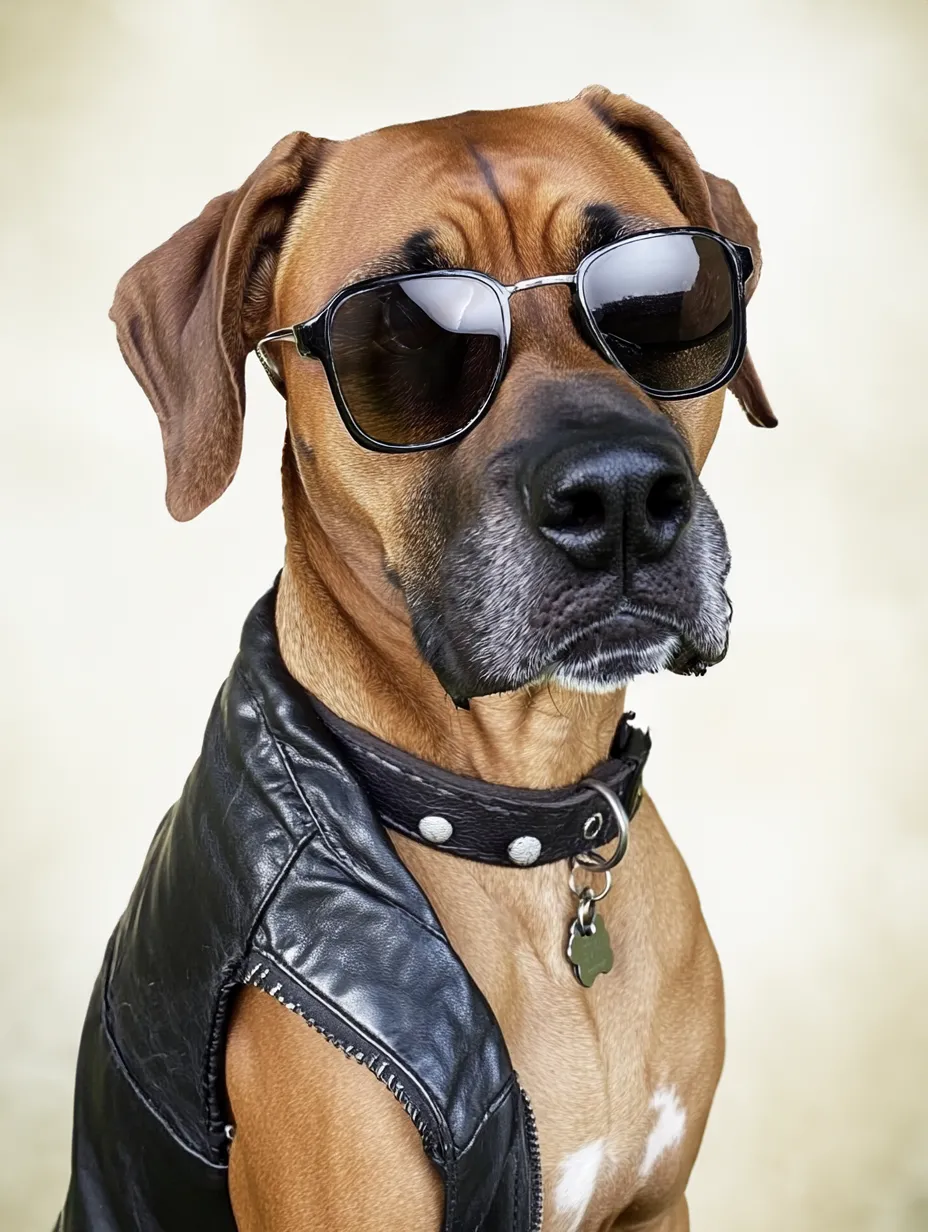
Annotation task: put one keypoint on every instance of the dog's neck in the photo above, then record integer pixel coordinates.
(345, 635)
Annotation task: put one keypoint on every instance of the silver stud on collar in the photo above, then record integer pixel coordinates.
(524, 850)
(436, 829)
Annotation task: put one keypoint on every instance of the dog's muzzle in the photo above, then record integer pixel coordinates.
(595, 555)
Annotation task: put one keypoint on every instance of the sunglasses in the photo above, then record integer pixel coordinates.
(414, 361)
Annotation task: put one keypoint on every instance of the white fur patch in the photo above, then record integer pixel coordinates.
(668, 1128)
(577, 1182)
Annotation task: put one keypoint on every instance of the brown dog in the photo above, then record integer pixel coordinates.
(621, 1075)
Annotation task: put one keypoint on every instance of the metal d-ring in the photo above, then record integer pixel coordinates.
(592, 859)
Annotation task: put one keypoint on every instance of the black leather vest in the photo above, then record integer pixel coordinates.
(272, 869)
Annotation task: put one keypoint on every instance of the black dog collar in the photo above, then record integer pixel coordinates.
(488, 822)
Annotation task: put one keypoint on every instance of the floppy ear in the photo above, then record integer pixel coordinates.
(705, 199)
(734, 221)
(188, 313)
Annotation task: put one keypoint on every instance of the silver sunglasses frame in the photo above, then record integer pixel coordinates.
(312, 337)
(289, 333)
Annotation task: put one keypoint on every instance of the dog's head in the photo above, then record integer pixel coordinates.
(567, 536)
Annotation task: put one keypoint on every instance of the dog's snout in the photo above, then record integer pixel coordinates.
(604, 499)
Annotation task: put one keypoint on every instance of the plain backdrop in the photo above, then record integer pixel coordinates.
(792, 776)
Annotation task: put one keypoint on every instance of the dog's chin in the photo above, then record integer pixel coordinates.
(608, 668)
(601, 658)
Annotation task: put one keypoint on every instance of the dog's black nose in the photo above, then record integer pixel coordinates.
(609, 497)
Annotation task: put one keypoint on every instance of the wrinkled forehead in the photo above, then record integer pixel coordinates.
(513, 193)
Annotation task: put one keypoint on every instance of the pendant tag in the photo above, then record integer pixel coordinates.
(588, 946)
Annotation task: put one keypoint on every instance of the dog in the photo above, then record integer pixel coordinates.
(481, 605)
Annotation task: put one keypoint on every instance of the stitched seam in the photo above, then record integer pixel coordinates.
(338, 854)
(231, 978)
(516, 1203)
(281, 877)
(125, 1072)
(433, 787)
(367, 884)
(504, 806)
(209, 1081)
(285, 764)
(335, 848)
(496, 1103)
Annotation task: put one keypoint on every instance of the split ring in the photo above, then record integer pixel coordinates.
(586, 893)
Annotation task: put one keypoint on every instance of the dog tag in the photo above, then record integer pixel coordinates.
(589, 949)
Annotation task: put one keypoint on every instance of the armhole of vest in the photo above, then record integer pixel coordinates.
(266, 972)
(233, 977)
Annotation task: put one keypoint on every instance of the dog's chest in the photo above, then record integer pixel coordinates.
(613, 1171)
(620, 1075)
(612, 1120)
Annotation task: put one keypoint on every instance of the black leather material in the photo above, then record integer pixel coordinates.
(485, 818)
(273, 869)
(128, 1169)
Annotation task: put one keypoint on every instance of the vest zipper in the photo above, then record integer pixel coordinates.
(534, 1151)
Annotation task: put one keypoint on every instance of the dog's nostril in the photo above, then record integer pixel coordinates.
(580, 510)
(668, 499)
(575, 515)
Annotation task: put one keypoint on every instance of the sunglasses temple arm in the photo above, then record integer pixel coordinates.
(745, 262)
(267, 363)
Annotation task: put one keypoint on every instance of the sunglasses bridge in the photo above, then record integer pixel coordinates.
(546, 280)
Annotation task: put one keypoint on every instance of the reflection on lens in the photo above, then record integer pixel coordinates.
(416, 358)
(664, 306)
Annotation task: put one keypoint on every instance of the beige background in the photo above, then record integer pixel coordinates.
(793, 776)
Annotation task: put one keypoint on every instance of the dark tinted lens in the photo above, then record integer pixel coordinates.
(664, 305)
(416, 359)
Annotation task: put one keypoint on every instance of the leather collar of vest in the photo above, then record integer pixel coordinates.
(489, 822)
